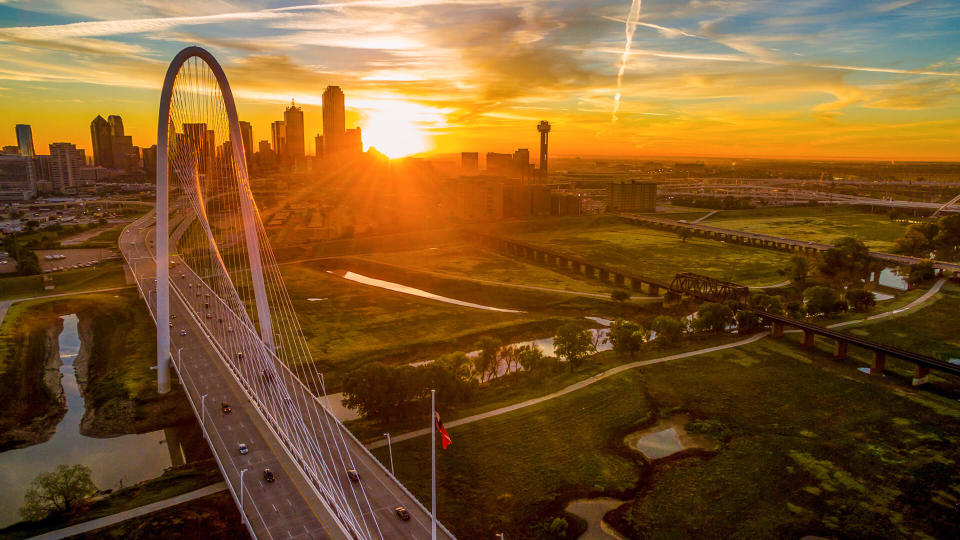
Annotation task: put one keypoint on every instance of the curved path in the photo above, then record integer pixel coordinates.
(632, 365)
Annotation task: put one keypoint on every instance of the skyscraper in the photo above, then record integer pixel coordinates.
(334, 120)
(318, 145)
(102, 140)
(25, 140)
(293, 120)
(278, 131)
(65, 164)
(469, 161)
(116, 125)
(246, 135)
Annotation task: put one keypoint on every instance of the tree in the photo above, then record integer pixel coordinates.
(920, 272)
(795, 310)
(486, 361)
(713, 317)
(669, 329)
(913, 242)
(860, 300)
(530, 358)
(896, 215)
(798, 269)
(848, 261)
(627, 337)
(573, 344)
(459, 364)
(948, 237)
(57, 492)
(747, 321)
(820, 300)
(619, 295)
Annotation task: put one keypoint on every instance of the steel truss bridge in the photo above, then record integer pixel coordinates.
(206, 270)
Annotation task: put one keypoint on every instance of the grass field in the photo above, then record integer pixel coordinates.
(650, 253)
(106, 275)
(470, 261)
(814, 224)
(805, 447)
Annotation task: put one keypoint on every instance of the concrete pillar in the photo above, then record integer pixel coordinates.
(576, 266)
(635, 284)
(604, 275)
(776, 329)
(807, 338)
(840, 352)
(619, 280)
(921, 376)
(654, 290)
(589, 270)
(879, 363)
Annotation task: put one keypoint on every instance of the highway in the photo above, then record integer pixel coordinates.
(290, 507)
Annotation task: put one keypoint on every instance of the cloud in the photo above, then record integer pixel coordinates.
(891, 6)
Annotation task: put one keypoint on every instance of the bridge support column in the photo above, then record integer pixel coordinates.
(921, 376)
(589, 271)
(636, 285)
(654, 290)
(604, 275)
(879, 363)
(807, 339)
(619, 280)
(576, 266)
(776, 329)
(840, 352)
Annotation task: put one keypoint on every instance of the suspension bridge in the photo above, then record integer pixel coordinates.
(205, 268)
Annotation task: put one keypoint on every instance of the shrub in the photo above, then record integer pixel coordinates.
(861, 300)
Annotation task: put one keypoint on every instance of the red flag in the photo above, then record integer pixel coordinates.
(444, 436)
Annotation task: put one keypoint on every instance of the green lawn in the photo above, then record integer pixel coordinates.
(806, 446)
(104, 276)
(648, 252)
(471, 261)
(814, 224)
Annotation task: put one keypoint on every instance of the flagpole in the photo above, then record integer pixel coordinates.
(433, 462)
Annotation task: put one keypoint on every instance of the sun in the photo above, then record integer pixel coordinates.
(395, 127)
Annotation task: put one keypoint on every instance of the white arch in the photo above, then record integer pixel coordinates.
(247, 210)
(954, 200)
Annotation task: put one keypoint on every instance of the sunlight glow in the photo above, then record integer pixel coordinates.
(394, 127)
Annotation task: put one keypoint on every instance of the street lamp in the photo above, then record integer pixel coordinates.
(390, 449)
(500, 536)
(242, 513)
(179, 362)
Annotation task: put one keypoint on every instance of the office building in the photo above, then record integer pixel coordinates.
(150, 160)
(293, 129)
(246, 135)
(476, 198)
(334, 120)
(102, 142)
(353, 141)
(318, 145)
(544, 129)
(17, 179)
(195, 140)
(500, 164)
(65, 164)
(632, 196)
(116, 125)
(25, 140)
(278, 133)
(470, 162)
(521, 163)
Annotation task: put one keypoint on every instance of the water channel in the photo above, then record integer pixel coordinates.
(116, 461)
(396, 287)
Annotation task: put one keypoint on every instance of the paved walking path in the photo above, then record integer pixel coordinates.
(5, 304)
(94, 524)
(632, 365)
(704, 217)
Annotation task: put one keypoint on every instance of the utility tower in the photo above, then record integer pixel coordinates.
(544, 128)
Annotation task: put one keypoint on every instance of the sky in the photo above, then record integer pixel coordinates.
(739, 78)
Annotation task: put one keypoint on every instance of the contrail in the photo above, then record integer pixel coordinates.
(631, 28)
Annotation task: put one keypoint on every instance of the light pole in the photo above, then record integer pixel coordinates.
(242, 513)
(390, 449)
(203, 414)
(500, 536)
(179, 362)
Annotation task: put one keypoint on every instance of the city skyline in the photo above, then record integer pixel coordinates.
(828, 79)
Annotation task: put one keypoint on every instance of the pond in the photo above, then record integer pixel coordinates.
(890, 278)
(665, 439)
(117, 461)
(592, 511)
(396, 287)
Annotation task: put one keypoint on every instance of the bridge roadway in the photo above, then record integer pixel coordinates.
(766, 240)
(289, 507)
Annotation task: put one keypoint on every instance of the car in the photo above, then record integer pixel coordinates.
(209, 315)
(268, 475)
(353, 475)
(190, 285)
(402, 513)
(183, 332)
(239, 356)
(173, 315)
(229, 329)
(171, 324)
(243, 449)
(225, 407)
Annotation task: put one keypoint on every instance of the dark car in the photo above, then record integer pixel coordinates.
(353, 475)
(225, 407)
(402, 513)
(268, 475)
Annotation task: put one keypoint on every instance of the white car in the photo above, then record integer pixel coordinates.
(243, 448)
(183, 332)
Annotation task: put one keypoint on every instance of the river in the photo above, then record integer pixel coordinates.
(127, 459)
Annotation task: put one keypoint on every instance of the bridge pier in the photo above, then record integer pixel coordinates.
(776, 329)
(576, 266)
(879, 363)
(636, 285)
(604, 275)
(807, 338)
(654, 290)
(589, 271)
(840, 352)
(921, 376)
(619, 280)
